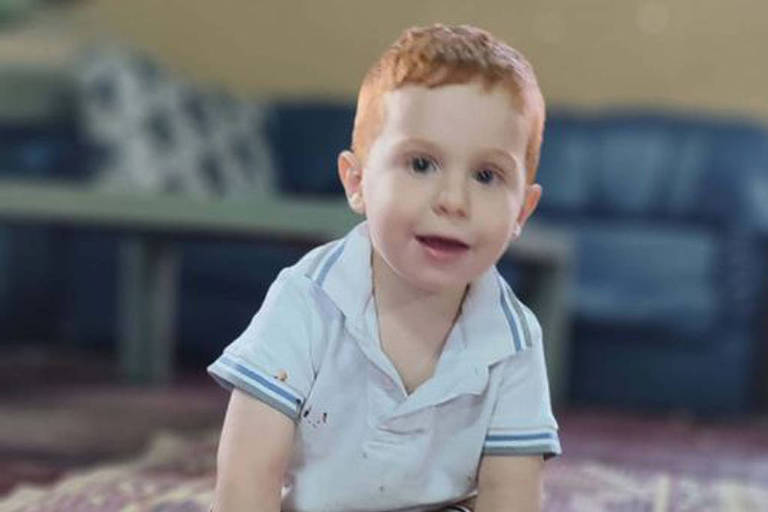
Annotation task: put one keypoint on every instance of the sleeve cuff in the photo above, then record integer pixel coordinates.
(230, 372)
(545, 443)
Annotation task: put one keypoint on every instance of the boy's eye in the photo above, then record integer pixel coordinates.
(420, 164)
(485, 176)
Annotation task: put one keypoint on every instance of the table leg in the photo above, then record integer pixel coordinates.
(147, 304)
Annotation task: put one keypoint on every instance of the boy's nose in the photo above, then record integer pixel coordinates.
(452, 197)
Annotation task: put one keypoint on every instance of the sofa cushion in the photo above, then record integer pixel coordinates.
(306, 139)
(659, 278)
(655, 167)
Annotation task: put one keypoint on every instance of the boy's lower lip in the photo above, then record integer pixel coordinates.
(441, 251)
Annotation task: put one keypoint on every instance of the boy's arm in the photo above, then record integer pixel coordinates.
(254, 450)
(509, 483)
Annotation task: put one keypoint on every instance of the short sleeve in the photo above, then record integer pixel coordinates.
(272, 359)
(522, 422)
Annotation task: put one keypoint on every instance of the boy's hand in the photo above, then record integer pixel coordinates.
(254, 451)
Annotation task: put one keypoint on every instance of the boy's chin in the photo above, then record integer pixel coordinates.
(439, 284)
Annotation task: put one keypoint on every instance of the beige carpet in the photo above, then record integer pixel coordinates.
(64, 421)
(176, 474)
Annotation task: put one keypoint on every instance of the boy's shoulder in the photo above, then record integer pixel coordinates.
(311, 263)
(318, 267)
(317, 262)
(335, 274)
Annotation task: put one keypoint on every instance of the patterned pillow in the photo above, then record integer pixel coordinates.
(154, 131)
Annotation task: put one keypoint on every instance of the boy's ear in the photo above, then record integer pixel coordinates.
(530, 201)
(351, 175)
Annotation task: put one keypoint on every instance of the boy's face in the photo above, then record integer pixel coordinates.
(448, 163)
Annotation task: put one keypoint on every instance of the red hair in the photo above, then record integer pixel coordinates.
(441, 55)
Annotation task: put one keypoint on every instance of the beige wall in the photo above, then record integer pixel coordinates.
(706, 54)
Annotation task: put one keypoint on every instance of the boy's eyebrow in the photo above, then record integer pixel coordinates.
(505, 155)
(417, 141)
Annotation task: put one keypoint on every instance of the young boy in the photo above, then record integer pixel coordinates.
(394, 369)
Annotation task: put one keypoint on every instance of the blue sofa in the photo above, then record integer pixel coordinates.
(669, 214)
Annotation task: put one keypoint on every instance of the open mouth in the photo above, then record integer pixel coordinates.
(442, 244)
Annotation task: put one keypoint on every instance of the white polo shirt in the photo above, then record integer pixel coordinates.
(362, 443)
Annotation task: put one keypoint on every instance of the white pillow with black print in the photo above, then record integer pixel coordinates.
(158, 133)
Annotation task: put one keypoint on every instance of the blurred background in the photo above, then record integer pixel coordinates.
(160, 162)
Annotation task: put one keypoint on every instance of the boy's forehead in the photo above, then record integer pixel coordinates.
(464, 114)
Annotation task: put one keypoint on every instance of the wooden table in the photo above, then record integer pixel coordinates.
(152, 225)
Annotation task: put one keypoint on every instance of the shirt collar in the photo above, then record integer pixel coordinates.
(492, 319)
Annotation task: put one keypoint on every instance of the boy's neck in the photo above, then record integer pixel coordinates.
(397, 298)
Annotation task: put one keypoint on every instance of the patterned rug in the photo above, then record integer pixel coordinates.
(176, 474)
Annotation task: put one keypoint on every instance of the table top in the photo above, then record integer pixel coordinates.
(79, 205)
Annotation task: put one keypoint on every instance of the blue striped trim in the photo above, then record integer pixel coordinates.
(261, 380)
(329, 262)
(547, 451)
(520, 315)
(546, 444)
(510, 318)
(520, 437)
